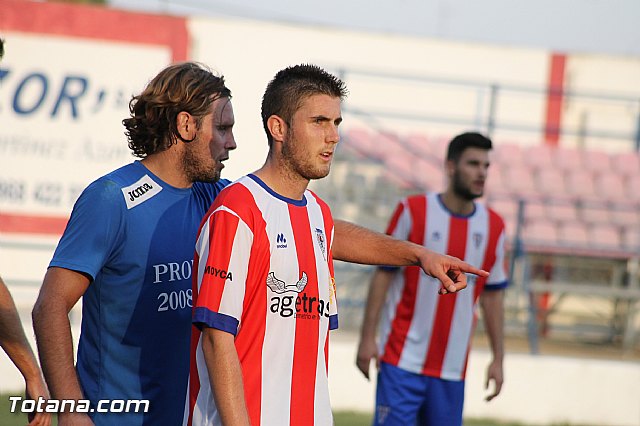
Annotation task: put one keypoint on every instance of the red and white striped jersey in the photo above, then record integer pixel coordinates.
(263, 271)
(420, 330)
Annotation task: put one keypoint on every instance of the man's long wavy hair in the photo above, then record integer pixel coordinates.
(187, 86)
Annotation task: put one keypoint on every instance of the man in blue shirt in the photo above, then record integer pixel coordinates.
(128, 252)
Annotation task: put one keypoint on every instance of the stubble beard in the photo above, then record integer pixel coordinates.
(194, 168)
(295, 162)
(462, 190)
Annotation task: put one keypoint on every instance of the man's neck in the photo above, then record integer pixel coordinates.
(166, 165)
(282, 180)
(456, 204)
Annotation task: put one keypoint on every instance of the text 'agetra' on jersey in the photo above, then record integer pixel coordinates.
(264, 272)
(420, 330)
(134, 235)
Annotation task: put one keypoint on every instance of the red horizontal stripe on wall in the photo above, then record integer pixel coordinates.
(26, 224)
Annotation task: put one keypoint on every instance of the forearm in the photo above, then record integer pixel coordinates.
(55, 346)
(13, 339)
(355, 244)
(492, 304)
(225, 375)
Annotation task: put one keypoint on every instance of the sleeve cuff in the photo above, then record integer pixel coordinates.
(203, 317)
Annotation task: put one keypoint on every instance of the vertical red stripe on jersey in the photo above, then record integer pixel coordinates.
(253, 331)
(457, 247)
(224, 225)
(406, 306)
(394, 219)
(496, 226)
(305, 356)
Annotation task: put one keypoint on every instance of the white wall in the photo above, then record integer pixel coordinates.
(539, 389)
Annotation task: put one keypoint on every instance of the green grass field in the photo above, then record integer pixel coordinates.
(342, 418)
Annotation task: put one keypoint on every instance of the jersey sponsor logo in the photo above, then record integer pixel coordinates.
(141, 191)
(221, 273)
(281, 241)
(299, 306)
(278, 286)
(320, 239)
(172, 271)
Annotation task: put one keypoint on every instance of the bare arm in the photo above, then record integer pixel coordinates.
(15, 344)
(492, 304)
(61, 290)
(225, 374)
(367, 348)
(353, 243)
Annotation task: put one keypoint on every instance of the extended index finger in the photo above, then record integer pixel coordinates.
(465, 267)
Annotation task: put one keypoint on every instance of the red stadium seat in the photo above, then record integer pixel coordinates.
(562, 211)
(567, 159)
(633, 188)
(420, 144)
(610, 187)
(595, 214)
(626, 163)
(625, 215)
(427, 174)
(519, 180)
(550, 182)
(573, 234)
(540, 232)
(596, 161)
(605, 236)
(580, 184)
(539, 156)
(631, 238)
(508, 154)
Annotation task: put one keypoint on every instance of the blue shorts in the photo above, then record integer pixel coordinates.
(404, 398)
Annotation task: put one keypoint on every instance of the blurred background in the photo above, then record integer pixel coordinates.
(556, 85)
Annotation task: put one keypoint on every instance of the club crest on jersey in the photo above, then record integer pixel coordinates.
(144, 189)
(321, 243)
(435, 236)
(477, 239)
(278, 286)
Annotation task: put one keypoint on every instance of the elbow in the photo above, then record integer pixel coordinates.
(38, 312)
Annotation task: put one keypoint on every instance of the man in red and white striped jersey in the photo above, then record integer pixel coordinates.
(425, 338)
(264, 293)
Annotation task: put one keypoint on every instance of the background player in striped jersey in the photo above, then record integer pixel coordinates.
(264, 291)
(425, 339)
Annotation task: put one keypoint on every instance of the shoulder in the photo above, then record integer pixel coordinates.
(494, 217)
(313, 196)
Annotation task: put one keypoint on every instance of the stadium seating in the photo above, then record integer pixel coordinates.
(573, 197)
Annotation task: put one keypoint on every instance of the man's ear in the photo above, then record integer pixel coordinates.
(450, 167)
(186, 125)
(277, 127)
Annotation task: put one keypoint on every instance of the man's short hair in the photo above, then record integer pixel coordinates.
(291, 86)
(464, 141)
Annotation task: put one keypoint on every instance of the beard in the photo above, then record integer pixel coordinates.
(196, 169)
(298, 162)
(462, 190)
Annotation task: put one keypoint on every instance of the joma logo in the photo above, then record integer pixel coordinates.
(139, 191)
